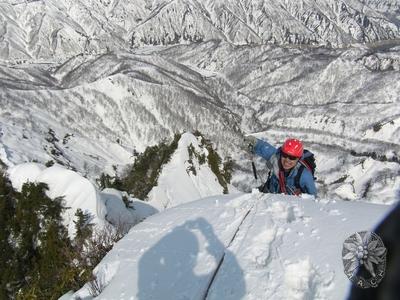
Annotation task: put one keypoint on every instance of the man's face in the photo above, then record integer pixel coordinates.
(288, 162)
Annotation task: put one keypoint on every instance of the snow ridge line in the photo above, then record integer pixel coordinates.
(223, 256)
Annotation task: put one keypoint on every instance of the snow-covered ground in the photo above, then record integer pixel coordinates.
(246, 246)
(190, 246)
(78, 192)
(177, 184)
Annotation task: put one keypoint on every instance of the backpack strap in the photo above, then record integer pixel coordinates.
(305, 164)
(298, 175)
(308, 161)
(265, 187)
(282, 182)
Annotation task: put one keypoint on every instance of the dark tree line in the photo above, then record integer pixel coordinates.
(222, 169)
(38, 260)
(143, 175)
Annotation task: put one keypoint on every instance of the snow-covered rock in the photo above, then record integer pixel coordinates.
(79, 193)
(178, 184)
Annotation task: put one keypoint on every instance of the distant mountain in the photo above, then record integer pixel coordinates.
(332, 23)
(53, 30)
(92, 113)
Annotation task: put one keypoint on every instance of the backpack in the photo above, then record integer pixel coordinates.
(308, 161)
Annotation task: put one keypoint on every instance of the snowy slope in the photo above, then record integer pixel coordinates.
(104, 206)
(268, 247)
(177, 184)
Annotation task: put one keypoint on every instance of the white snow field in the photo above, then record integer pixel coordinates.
(196, 243)
(243, 246)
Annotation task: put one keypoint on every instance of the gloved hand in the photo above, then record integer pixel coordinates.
(250, 141)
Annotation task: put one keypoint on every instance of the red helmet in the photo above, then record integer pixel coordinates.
(293, 147)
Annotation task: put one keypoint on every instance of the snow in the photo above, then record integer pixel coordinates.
(86, 82)
(22, 173)
(192, 242)
(361, 177)
(107, 206)
(261, 246)
(78, 192)
(61, 30)
(183, 186)
(387, 132)
(115, 103)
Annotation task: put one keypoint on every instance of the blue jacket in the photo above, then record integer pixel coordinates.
(272, 155)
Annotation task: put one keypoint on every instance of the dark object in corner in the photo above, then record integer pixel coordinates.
(389, 288)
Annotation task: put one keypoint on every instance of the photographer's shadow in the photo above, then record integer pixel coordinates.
(167, 270)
